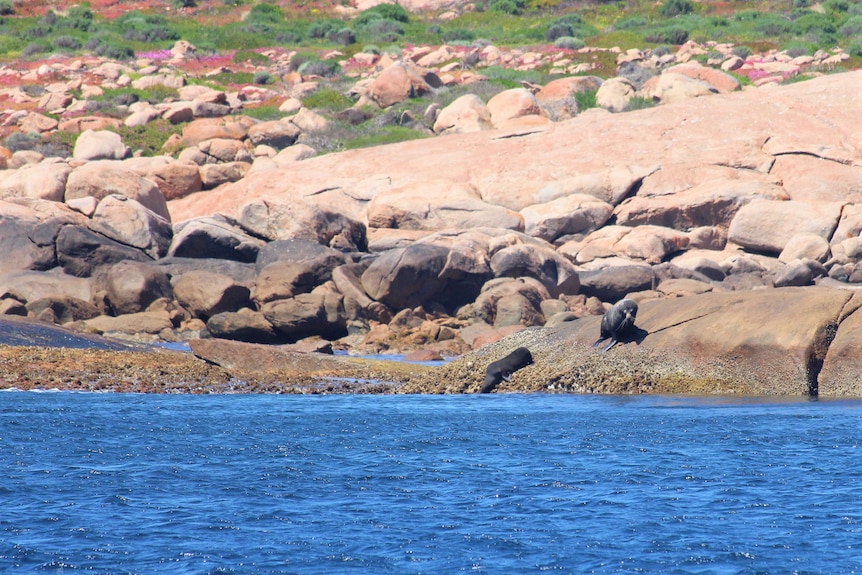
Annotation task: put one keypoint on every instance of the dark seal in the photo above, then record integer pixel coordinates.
(502, 369)
(618, 322)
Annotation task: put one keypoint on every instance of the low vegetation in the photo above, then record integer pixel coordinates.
(241, 31)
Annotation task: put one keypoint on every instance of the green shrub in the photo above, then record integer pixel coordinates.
(77, 18)
(7, 8)
(673, 8)
(184, 3)
(855, 47)
(36, 48)
(106, 47)
(251, 57)
(640, 103)
(673, 35)
(630, 23)
(386, 135)
(262, 78)
(321, 28)
(150, 137)
(741, 51)
(327, 99)
(458, 36)
(345, 37)
(47, 146)
(586, 100)
(265, 13)
(263, 112)
(323, 68)
(394, 12)
(513, 7)
(69, 43)
(559, 30)
(569, 43)
(852, 27)
(384, 30)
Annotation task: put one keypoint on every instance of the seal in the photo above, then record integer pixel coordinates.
(502, 369)
(617, 322)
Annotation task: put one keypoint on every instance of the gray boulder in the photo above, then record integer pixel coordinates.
(406, 277)
(100, 145)
(104, 178)
(61, 309)
(213, 237)
(319, 313)
(612, 284)
(243, 325)
(206, 293)
(295, 271)
(130, 222)
(82, 252)
(556, 273)
(132, 286)
(243, 273)
(305, 221)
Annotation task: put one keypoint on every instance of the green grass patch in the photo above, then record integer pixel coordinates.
(327, 99)
(150, 137)
(386, 135)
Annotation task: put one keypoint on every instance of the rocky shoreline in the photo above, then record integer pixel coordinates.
(521, 221)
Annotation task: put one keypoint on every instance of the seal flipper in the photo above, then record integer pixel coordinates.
(610, 345)
(598, 341)
(506, 375)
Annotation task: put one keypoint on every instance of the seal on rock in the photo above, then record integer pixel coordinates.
(502, 369)
(618, 322)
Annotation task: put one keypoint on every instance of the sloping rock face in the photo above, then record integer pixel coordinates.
(671, 148)
(790, 341)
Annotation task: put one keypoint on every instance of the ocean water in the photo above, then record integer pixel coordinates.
(114, 483)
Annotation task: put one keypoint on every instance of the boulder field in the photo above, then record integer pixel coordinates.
(732, 219)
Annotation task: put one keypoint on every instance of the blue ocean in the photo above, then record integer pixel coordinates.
(509, 484)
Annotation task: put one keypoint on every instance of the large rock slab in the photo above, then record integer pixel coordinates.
(818, 115)
(764, 342)
(768, 226)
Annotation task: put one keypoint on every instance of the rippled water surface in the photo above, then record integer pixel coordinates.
(110, 483)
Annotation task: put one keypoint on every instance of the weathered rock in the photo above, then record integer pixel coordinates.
(243, 273)
(99, 145)
(653, 244)
(574, 214)
(214, 175)
(317, 313)
(435, 205)
(553, 271)
(810, 178)
(243, 325)
(28, 231)
(767, 226)
(522, 299)
(276, 133)
(613, 283)
(206, 294)
(799, 272)
(511, 104)
(466, 114)
(305, 221)
(46, 181)
(558, 98)
(671, 87)
(406, 277)
(177, 179)
(131, 223)
(839, 375)
(215, 128)
(805, 246)
(614, 94)
(145, 322)
(213, 237)
(713, 203)
(132, 286)
(765, 342)
(29, 286)
(400, 81)
(81, 252)
(103, 178)
(291, 276)
(61, 309)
